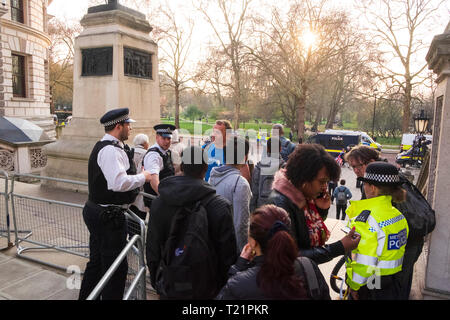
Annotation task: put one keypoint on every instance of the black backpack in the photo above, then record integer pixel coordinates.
(188, 267)
(417, 211)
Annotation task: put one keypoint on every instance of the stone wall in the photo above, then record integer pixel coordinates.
(27, 39)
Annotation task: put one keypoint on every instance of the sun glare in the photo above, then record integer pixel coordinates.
(309, 39)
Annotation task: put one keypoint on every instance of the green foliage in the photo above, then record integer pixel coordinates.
(193, 112)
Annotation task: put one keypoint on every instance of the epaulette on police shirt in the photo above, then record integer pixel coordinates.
(363, 216)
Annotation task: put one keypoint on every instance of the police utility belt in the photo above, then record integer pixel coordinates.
(107, 207)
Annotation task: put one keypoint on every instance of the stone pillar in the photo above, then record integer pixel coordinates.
(116, 66)
(437, 277)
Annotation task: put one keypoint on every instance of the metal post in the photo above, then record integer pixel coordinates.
(373, 119)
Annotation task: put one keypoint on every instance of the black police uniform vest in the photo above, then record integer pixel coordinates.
(97, 184)
(167, 171)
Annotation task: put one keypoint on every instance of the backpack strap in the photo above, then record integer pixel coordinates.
(310, 276)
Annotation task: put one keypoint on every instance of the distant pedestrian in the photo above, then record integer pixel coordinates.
(331, 186)
(287, 147)
(229, 183)
(342, 194)
(264, 172)
(202, 277)
(177, 147)
(141, 144)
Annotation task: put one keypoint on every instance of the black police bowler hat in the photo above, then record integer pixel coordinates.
(164, 130)
(115, 116)
(381, 173)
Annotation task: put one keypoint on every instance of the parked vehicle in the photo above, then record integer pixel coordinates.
(408, 140)
(365, 138)
(335, 143)
(414, 155)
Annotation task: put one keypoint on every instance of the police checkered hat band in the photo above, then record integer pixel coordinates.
(118, 120)
(116, 116)
(382, 173)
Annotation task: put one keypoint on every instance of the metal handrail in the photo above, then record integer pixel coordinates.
(112, 269)
(6, 195)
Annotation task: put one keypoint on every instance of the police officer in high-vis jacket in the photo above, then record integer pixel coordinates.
(113, 186)
(374, 267)
(158, 160)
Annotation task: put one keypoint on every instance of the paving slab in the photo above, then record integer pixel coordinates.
(36, 287)
(14, 270)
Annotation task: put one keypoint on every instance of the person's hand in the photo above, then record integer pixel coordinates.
(354, 294)
(247, 252)
(351, 240)
(147, 175)
(323, 202)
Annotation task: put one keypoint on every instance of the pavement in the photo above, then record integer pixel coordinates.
(22, 279)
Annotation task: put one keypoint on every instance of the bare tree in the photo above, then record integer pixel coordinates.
(174, 40)
(396, 25)
(284, 52)
(61, 55)
(231, 41)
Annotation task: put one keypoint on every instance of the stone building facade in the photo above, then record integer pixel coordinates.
(24, 68)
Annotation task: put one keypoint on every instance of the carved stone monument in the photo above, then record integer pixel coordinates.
(437, 277)
(116, 66)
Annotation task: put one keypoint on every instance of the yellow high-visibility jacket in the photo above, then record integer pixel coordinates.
(384, 232)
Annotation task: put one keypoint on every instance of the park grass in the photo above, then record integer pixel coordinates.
(250, 129)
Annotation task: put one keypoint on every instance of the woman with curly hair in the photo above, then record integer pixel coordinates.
(269, 267)
(301, 189)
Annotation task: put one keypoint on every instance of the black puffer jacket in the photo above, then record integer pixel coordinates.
(242, 284)
(177, 191)
(299, 231)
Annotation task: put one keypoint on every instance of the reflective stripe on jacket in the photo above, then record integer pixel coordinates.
(384, 232)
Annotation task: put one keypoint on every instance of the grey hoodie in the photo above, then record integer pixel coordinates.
(230, 184)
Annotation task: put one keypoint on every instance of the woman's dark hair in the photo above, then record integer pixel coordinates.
(276, 143)
(236, 150)
(363, 154)
(193, 162)
(277, 277)
(306, 161)
(397, 193)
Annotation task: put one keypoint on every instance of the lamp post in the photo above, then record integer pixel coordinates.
(421, 122)
(374, 106)
(420, 125)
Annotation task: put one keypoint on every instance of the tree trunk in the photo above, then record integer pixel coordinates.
(301, 115)
(407, 107)
(315, 126)
(177, 106)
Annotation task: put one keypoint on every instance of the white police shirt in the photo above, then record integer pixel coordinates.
(114, 164)
(153, 162)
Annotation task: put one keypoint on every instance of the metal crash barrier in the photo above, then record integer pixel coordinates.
(136, 289)
(5, 231)
(53, 225)
(58, 226)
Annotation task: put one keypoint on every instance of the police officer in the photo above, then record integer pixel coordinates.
(373, 273)
(158, 160)
(113, 184)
